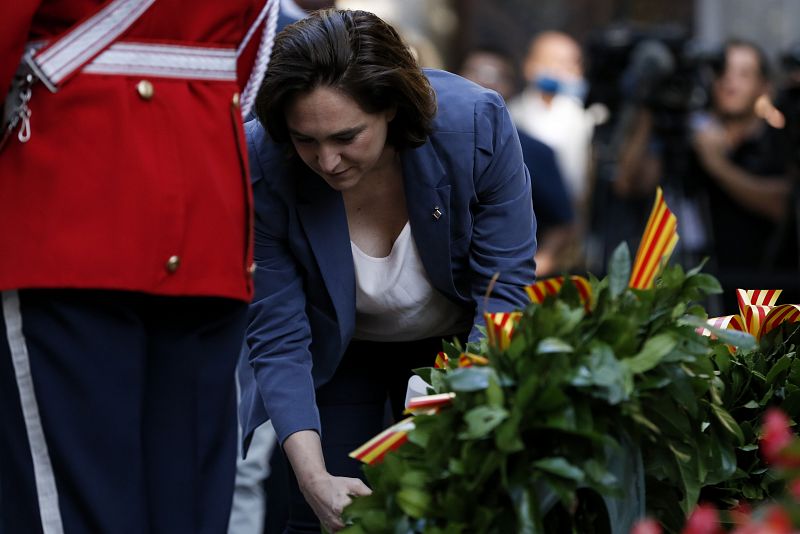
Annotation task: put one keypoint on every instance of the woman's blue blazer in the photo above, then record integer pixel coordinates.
(303, 313)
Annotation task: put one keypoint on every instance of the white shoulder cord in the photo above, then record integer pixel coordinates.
(271, 10)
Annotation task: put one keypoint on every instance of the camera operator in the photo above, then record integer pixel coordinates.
(740, 166)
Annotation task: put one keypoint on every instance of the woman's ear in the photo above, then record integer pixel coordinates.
(391, 113)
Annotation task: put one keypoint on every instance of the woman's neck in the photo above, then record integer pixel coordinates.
(384, 178)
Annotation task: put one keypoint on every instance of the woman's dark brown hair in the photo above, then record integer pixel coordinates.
(357, 53)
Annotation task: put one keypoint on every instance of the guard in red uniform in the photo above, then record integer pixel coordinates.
(125, 253)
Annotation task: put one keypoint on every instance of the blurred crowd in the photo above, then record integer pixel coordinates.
(605, 121)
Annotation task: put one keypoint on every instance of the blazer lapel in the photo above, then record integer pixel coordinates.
(428, 204)
(321, 212)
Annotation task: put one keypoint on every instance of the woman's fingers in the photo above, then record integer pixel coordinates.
(357, 488)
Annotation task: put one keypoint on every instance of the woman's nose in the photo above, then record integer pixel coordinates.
(328, 159)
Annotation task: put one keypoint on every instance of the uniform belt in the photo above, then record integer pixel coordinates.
(171, 61)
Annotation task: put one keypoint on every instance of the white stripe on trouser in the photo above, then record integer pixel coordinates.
(42, 468)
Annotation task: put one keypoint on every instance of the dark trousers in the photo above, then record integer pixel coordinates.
(117, 412)
(352, 409)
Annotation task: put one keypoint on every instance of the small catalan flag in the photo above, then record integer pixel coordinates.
(550, 286)
(500, 327)
(390, 439)
(758, 313)
(658, 241)
(429, 403)
(468, 360)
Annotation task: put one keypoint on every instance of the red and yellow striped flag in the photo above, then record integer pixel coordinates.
(785, 313)
(758, 313)
(441, 360)
(550, 286)
(429, 403)
(390, 439)
(728, 322)
(468, 360)
(500, 328)
(658, 241)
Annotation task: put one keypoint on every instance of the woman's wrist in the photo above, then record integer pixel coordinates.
(310, 479)
(304, 451)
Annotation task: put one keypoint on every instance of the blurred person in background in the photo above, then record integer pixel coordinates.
(496, 69)
(551, 108)
(741, 170)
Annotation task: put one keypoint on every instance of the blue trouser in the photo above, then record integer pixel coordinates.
(352, 409)
(117, 412)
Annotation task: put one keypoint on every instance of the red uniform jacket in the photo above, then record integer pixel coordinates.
(116, 190)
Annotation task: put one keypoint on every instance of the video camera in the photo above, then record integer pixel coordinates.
(661, 69)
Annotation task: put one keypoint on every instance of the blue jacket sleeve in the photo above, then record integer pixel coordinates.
(278, 335)
(504, 227)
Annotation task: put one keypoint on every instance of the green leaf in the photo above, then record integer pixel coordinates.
(672, 277)
(603, 370)
(561, 467)
(553, 345)
(507, 437)
(469, 379)
(619, 270)
(439, 382)
(728, 422)
(722, 357)
(414, 501)
(695, 270)
(791, 404)
(704, 282)
(482, 420)
(414, 478)
(742, 340)
(752, 492)
(652, 353)
(679, 310)
(525, 509)
(688, 469)
(424, 373)
(422, 431)
(779, 367)
(494, 393)
(601, 475)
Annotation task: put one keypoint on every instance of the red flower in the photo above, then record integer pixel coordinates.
(777, 521)
(794, 489)
(646, 526)
(774, 521)
(740, 514)
(776, 435)
(704, 520)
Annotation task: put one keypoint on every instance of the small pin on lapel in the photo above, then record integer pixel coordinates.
(437, 212)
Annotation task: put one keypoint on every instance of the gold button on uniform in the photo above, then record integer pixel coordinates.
(145, 89)
(173, 263)
(235, 100)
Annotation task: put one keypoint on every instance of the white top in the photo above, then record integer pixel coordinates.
(395, 300)
(566, 127)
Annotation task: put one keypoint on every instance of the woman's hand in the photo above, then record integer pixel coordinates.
(329, 495)
(326, 494)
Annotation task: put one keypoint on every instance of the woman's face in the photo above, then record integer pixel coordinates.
(336, 138)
